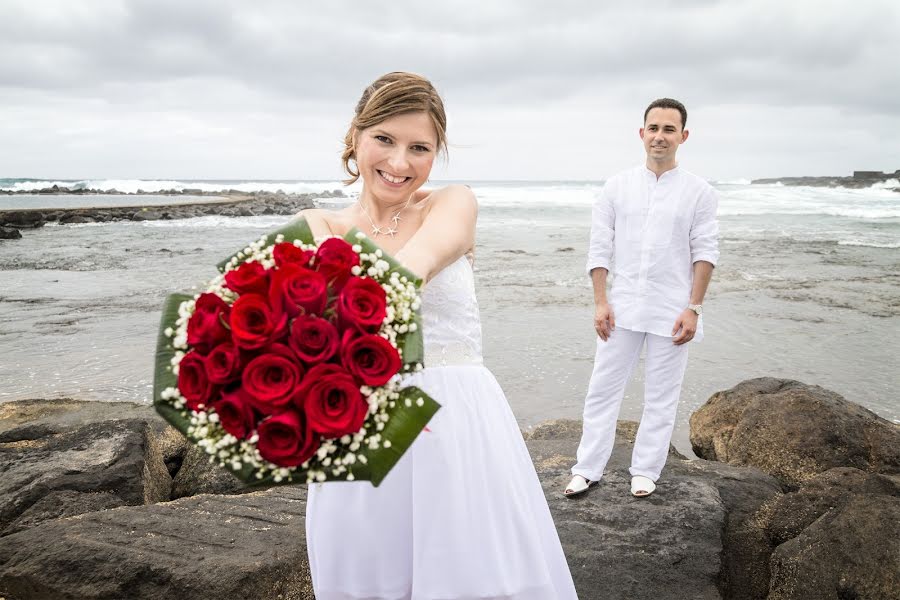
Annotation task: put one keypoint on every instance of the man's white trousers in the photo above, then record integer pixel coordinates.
(614, 363)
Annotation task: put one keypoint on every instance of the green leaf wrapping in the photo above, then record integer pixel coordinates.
(162, 376)
(403, 426)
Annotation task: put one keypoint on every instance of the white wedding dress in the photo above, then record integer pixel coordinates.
(462, 515)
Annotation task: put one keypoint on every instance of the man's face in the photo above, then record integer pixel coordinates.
(662, 133)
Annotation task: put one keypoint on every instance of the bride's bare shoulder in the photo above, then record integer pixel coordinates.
(455, 196)
(325, 223)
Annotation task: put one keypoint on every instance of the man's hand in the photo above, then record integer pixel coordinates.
(604, 320)
(686, 323)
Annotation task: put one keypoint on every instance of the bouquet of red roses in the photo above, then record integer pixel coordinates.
(288, 367)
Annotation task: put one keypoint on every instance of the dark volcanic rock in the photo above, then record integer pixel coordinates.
(50, 473)
(67, 219)
(711, 530)
(849, 552)
(793, 431)
(32, 424)
(833, 180)
(147, 215)
(235, 203)
(669, 545)
(199, 476)
(9, 233)
(215, 547)
(24, 219)
(65, 414)
(790, 514)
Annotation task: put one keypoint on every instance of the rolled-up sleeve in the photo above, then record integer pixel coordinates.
(705, 228)
(603, 221)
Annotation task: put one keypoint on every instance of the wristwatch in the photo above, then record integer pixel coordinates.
(697, 308)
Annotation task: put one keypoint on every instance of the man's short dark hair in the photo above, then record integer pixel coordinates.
(668, 103)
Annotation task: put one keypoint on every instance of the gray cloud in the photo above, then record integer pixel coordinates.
(254, 65)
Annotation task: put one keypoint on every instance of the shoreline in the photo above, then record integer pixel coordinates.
(208, 200)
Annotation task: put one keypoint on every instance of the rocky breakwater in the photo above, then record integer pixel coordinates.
(230, 204)
(106, 501)
(857, 181)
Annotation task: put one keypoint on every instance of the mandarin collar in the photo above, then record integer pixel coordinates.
(674, 171)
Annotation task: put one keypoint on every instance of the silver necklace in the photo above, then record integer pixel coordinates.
(391, 229)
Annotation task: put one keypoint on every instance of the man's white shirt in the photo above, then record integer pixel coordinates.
(648, 233)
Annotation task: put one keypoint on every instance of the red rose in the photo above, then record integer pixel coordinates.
(313, 340)
(371, 358)
(334, 259)
(249, 278)
(253, 323)
(236, 413)
(206, 327)
(362, 304)
(223, 363)
(286, 253)
(332, 401)
(271, 379)
(296, 290)
(286, 439)
(193, 383)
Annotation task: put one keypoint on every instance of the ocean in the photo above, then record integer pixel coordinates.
(807, 288)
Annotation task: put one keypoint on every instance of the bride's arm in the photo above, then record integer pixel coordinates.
(318, 223)
(447, 232)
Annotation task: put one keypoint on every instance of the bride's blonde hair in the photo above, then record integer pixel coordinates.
(388, 96)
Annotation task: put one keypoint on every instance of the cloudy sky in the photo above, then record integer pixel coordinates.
(534, 90)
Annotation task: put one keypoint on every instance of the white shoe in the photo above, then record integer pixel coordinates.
(642, 486)
(578, 486)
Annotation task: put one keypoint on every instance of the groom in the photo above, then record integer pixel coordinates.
(654, 226)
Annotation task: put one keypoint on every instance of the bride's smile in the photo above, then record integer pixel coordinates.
(395, 158)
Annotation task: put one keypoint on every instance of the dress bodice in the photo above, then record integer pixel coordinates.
(452, 326)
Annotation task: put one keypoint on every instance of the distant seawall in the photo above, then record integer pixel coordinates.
(859, 180)
(231, 203)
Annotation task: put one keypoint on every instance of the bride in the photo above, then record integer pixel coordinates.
(462, 515)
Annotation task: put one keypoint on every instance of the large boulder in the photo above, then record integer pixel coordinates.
(23, 219)
(851, 552)
(837, 537)
(695, 537)
(49, 473)
(9, 233)
(64, 414)
(205, 547)
(790, 514)
(793, 431)
(64, 457)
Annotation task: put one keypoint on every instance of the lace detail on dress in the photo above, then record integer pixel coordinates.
(452, 326)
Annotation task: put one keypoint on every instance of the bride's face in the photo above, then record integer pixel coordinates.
(395, 157)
